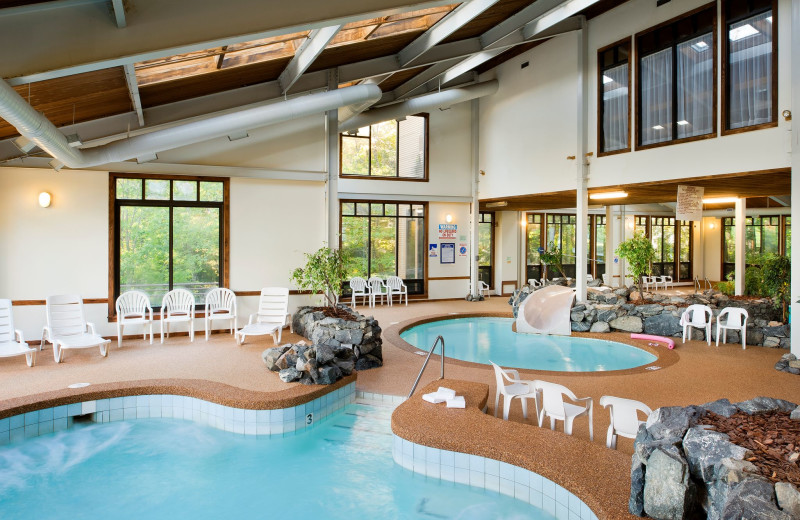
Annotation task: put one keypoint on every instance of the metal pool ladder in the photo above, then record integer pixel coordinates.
(425, 364)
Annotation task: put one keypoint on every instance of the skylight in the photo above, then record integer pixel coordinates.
(743, 31)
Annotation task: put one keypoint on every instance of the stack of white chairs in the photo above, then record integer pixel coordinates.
(133, 308)
(67, 327)
(177, 307)
(12, 342)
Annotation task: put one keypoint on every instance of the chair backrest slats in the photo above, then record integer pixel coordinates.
(133, 304)
(220, 299)
(65, 315)
(273, 305)
(394, 283)
(6, 322)
(358, 284)
(178, 302)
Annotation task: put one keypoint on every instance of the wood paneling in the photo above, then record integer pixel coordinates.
(366, 50)
(78, 98)
(488, 19)
(749, 184)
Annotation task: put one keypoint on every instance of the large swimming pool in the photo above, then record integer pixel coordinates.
(173, 469)
(483, 339)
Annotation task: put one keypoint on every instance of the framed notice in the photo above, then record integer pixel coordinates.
(690, 203)
(447, 253)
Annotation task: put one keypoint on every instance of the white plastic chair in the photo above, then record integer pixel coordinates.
(484, 288)
(698, 316)
(648, 281)
(358, 287)
(133, 308)
(589, 278)
(377, 287)
(533, 282)
(553, 406)
(177, 307)
(67, 327)
(220, 306)
(517, 388)
(736, 320)
(273, 306)
(12, 342)
(624, 418)
(396, 286)
(666, 281)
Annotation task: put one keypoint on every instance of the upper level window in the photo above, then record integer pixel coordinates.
(613, 85)
(676, 84)
(168, 233)
(750, 63)
(391, 149)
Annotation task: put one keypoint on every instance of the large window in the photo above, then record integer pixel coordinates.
(676, 79)
(533, 231)
(672, 241)
(385, 239)
(613, 130)
(550, 231)
(391, 149)
(762, 235)
(485, 247)
(167, 233)
(597, 249)
(750, 61)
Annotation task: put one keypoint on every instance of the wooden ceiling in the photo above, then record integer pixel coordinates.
(764, 183)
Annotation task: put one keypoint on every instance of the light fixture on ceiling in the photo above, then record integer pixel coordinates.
(45, 199)
(606, 80)
(608, 195)
(448, 218)
(719, 200)
(23, 144)
(743, 31)
(501, 204)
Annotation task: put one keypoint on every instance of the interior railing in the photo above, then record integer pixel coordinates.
(425, 364)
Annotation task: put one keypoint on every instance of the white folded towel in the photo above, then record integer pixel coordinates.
(446, 392)
(434, 398)
(457, 402)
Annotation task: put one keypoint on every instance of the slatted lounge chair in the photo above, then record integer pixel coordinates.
(273, 306)
(12, 342)
(67, 327)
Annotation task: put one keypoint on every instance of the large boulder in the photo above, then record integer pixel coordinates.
(600, 327)
(627, 324)
(669, 493)
(788, 498)
(636, 500)
(704, 449)
(728, 473)
(662, 325)
(271, 356)
(288, 375)
(759, 405)
(721, 407)
(671, 421)
(754, 498)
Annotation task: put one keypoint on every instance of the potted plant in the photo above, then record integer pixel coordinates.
(324, 273)
(638, 252)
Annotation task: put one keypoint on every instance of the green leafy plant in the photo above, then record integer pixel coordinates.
(639, 253)
(552, 257)
(324, 273)
(776, 274)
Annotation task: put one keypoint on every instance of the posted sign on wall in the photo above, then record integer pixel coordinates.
(448, 231)
(690, 203)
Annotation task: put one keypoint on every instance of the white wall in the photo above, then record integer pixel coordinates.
(507, 252)
(454, 288)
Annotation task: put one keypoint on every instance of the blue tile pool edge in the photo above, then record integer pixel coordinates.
(281, 421)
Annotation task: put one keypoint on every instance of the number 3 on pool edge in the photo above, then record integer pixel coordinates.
(309, 419)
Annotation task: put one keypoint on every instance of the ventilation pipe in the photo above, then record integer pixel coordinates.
(443, 99)
(34, 126)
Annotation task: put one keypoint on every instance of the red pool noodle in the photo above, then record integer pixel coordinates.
(670, 342)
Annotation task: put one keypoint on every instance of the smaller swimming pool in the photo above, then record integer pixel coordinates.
(482, 339)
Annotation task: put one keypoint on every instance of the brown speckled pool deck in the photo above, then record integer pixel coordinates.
(222, 372)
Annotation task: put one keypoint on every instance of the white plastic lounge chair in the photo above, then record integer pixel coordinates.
(273, 305)
(67, 327)
(484, 288)
(624, 418)
(133, 308)
(12, 342)
(553, 406)
(177, 307)
(220, 306)
(736, 319)
(513, 387)
(358, 287)
(396, 286)
(698, 316)
(377, 287)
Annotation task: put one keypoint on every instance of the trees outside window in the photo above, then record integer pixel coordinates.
(390, 149)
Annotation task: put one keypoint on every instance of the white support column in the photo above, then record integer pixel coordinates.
(795, 32)
(332, 148)
(473, 248)
(582, 192)
(739, 254)
(611, 244)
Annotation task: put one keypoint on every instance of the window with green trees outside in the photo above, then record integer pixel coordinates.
(168, 234)
(390, 149)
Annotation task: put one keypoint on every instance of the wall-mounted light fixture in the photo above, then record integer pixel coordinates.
(45, 199)
(712, 226)
(608, 195)
(448, 218)
(630, 224)
(787, 115)
(501, 204)
(523, 222)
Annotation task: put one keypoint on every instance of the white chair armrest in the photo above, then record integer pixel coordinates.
(252, 319)
(19, 336)
(45, 333)
(512, 371)
(90, 327)
(587, 400)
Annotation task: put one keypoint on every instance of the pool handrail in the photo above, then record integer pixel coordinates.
(425, 364)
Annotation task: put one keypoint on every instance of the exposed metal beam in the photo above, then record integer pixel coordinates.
(418, 81)
(161, 29)
(452, 22)
(317, 40)
(119, 13)
(513, 24)
(133, 90)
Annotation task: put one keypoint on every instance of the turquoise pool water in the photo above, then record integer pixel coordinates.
(482, 339)
(172, 469)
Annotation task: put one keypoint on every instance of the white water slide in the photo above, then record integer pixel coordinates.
(546, 311)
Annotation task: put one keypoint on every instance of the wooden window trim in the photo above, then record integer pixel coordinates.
(635, 52)
(112, 228)
(774, 87)
(600, 109)
(426, 176)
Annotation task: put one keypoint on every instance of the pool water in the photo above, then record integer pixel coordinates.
(173, 469)
(483, 339)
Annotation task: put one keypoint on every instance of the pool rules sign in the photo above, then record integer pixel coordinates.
(448, 231)
(690, 203)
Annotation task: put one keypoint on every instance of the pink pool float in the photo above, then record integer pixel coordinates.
(661, 339)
